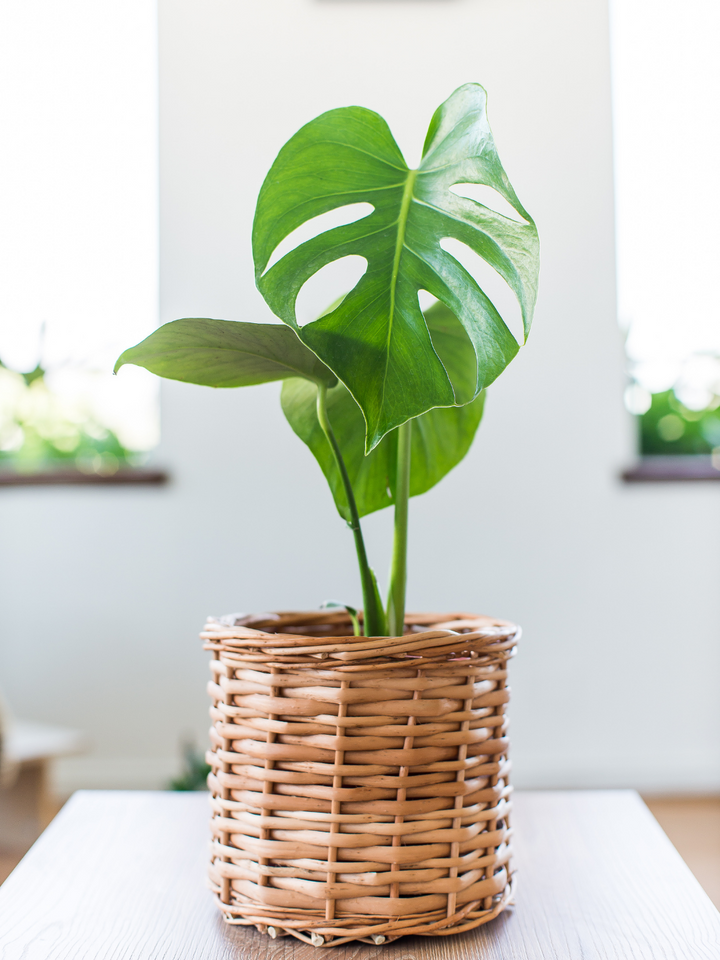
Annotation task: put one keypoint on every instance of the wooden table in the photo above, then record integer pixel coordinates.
(120, 876)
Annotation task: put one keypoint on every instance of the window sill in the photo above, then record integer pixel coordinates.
(672, 470)
(67, 476)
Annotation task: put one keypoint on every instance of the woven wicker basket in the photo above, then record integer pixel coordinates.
(359, 785)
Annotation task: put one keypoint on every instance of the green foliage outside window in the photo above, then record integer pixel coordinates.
(669, 428)
(40, 430)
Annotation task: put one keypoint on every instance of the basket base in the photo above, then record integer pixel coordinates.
(325, 933)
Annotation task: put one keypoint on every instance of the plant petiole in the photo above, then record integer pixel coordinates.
(398, 569)
(374, 621)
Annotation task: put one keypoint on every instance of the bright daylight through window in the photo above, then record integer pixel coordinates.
(78, 250)
(666, 76)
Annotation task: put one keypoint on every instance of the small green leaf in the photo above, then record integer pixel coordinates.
(440, 437)
(376, 340)
(226, 353)
(352, 613)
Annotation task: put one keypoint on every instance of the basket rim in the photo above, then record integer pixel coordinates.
(454, 636)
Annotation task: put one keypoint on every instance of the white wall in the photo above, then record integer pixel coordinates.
(103, 591)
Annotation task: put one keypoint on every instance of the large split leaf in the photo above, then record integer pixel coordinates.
(225, 353)
(376, 340)
(440, 438)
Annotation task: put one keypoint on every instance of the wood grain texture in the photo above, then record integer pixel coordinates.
(120, 876)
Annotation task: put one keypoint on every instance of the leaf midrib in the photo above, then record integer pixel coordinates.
(399, 244)
(283, 364)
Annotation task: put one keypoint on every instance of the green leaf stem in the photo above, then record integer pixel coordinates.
(440, 437)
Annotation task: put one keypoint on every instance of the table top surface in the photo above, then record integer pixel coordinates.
(119, 875)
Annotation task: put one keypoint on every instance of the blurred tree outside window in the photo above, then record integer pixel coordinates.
(78, 249)
(684, 420)
(666, 78)
(48, 421)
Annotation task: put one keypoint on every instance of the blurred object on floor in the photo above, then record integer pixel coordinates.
(195, 769)
(7, 766)
(26, 803)
(693, 826)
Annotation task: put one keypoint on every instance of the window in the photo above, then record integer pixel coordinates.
(666, 76)
(78, 249)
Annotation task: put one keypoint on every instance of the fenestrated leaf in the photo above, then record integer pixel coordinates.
(440, 437)
(225, 353)
(376, 340)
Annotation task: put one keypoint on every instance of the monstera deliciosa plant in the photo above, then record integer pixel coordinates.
(387, 397)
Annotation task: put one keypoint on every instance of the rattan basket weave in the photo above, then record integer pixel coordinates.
(359, 785)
